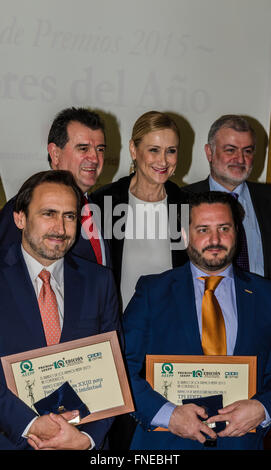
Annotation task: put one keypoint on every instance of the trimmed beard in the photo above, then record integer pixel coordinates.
(227, 179)
(44, 252)
(213, 264)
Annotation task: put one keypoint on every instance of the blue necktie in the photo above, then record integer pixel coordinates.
(241, 258)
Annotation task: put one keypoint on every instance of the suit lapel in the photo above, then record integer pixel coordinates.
(120, 195)
(205, 185)
(24, 296)
(185, 308)
(261, 203)
(74, 287)
(245, 302)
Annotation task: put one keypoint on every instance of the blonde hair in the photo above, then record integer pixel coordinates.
(150, 122)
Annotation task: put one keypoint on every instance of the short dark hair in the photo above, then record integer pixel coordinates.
(230, 121)
(219, 197)
(58, 133)
(64, 177)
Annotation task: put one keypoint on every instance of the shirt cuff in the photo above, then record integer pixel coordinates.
(162, 417)
(25, 432)
(91, 447)
(267, 420)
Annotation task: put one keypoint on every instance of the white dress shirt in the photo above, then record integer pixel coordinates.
(56, 270)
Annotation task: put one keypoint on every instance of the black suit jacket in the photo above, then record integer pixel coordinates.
(119, 191)
(261, 199)
(9, 233)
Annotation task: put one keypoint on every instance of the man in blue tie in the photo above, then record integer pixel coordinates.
(230, 151)
(166, 317)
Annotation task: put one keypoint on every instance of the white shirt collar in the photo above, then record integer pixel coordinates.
(34, 268)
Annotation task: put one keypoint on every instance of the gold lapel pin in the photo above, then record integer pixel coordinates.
(248, 291)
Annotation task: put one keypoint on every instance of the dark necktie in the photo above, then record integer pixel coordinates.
(241, 258)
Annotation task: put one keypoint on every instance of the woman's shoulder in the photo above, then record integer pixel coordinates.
(175, 192)
(117, 187)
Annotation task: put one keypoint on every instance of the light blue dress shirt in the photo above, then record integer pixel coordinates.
(226, 296)
(250, 223)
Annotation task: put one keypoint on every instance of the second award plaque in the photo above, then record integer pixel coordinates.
(184, 377)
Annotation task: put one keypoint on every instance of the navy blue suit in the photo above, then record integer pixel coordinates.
(161, 319)
(90, 308)
(9, 233)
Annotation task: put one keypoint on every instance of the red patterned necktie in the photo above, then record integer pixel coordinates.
(91, 231)
(49, 310)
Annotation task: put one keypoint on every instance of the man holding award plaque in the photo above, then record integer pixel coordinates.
(201, 326)
(49, 296)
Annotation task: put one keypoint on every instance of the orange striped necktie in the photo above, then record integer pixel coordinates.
(49, 310)
(213, 325)
(91, 231)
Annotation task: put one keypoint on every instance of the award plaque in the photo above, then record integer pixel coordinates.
(180, 378)
(92, 367)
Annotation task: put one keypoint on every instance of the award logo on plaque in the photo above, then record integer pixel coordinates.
(86, 374)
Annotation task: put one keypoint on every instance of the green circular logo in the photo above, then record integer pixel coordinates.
(26, 366)
(167, 368)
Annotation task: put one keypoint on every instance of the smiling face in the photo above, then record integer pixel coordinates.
(212, 237)
(83, 154)
(49, 228)
(156, 156)
(231, 157)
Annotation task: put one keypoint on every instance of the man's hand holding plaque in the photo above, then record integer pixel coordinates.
(55, 431)
(64, 436)
(45, 428)
(242, 416)
(191, 421)
(185, 422)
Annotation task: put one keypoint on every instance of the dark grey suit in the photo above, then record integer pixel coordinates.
(261, 199)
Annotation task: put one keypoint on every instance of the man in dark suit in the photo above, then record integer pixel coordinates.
(83, 300)
(166, 316)
(230, 152)
(76, 142)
